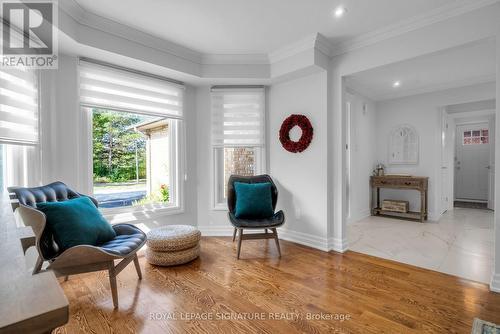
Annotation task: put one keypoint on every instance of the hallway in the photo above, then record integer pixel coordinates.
(460, 243)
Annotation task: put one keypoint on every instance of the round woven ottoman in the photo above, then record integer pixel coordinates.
(173, 245)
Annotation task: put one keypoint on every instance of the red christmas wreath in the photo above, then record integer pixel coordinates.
(307, 133)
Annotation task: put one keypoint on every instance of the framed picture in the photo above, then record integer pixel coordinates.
(403, 145)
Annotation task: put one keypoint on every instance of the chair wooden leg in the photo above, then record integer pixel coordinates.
(38, 265)
(137, 266)
(240, 238)
(66, 278)
(112, 283)
(234, 234)
(277, 241)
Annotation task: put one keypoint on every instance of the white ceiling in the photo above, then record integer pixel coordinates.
(462, 66)
(256, 26)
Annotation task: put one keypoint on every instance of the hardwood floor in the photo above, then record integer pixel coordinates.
(377, 296)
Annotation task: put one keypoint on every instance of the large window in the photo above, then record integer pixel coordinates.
(135, 136)
(237, 136)
(19, 123)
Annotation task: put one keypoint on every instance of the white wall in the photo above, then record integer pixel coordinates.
(61, 123)
(362, 134)
(423, 113)
(301, 177)
(210, 221)
(495, 279)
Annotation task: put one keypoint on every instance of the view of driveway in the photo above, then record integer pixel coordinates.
(112, 195)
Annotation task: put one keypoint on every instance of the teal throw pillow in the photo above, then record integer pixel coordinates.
(253, 200)
(76, 222)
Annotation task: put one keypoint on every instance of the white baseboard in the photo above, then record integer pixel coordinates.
(495, 283)
(471, 200)
(305, 239)
(434, 216)
(356, 217)
(301, 238)
(216, 231)
(338, 245)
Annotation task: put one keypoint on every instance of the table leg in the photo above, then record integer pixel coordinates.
(426, 205)
(378, 198)
(422, 206)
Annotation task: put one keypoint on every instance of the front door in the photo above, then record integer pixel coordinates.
(472, 162)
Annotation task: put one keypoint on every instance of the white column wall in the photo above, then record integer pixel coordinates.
(495, 280)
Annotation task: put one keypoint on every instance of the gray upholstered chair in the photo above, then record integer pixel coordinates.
(265, 224)
(83, 258)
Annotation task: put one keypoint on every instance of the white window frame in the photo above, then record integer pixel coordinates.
(218, 176)
(472, 136)
(217, 164)
(177, 175)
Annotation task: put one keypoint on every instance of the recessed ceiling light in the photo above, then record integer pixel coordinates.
(396, 84)
(339, 11)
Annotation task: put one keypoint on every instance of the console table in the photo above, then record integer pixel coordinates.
(419, 183)
(29, 303)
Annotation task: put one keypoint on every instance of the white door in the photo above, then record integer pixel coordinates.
(447, 147)
(472, 162)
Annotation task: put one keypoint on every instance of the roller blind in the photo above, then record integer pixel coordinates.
(19, 110)
(238, 117)
(117, 89)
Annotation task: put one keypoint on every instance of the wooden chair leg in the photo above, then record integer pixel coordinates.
(137, 266)
(38, 265)
(240, 238)
(234, 234)
(66, 278)
(276, 240)
(112, 283)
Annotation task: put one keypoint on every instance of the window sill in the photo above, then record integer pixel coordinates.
(135, 214)
(220, 207)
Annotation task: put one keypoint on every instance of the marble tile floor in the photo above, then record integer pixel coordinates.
(460, 243)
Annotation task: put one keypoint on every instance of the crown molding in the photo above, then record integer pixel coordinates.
(324, 45)
(72, 8)
(292, 49)
(472, 113)
(439, 14)
(88, 19)
(234, 59)
(313, 42)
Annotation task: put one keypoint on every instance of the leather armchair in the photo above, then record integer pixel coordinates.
(83, 258)
(240, 224)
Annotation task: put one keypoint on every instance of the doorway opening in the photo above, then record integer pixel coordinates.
(474, 156)
(452, 123)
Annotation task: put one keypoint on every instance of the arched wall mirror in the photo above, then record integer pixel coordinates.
(403, 145)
